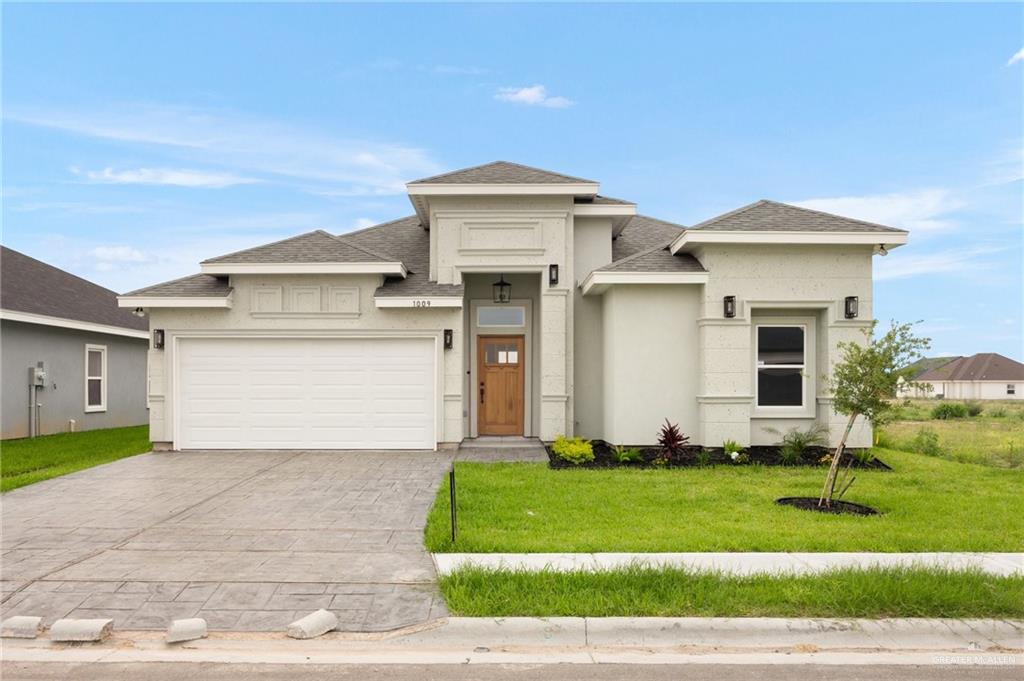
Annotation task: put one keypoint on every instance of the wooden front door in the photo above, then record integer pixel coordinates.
(501, 368)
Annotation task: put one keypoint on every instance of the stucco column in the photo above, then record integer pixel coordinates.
(554, 338)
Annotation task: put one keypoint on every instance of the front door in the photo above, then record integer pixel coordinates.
(501, 368)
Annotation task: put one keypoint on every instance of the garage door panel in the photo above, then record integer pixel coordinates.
(307, 393)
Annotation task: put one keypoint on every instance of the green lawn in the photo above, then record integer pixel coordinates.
(928, 504)
(23, 462)
(640, 592)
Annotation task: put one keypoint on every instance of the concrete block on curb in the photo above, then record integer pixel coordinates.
(81, 630)
(313, 625)
(21, 626)
(188, 629)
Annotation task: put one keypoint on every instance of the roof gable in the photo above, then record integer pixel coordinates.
(31, 286)
(501, 172)
(772, 216)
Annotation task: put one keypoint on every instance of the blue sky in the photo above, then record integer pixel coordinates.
(140, 139)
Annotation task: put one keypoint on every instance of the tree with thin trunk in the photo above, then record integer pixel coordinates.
(865, 381)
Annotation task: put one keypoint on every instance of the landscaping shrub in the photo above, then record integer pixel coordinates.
(973, 408)
(734, 451)
(575, 450)
(703, 458)
(795, 443)
(631, 455)
(949, 410)
(997, 412)
(672, 443)
(926, 442)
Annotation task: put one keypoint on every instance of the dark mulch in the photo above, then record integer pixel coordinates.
(836, 508)
(765, 456)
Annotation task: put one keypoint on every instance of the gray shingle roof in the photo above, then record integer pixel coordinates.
(502, 172)
(313, 247)
(656, 259)
(641, 233)
(193, 286)
(32, 286)
(771, 216)
(405, 239)
(984, 366)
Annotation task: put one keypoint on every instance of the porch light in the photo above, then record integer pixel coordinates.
(158, 339)
(552, 274)
(850, 308)
(139, 312)
(729, 306)
(502, 291)
(448, 339)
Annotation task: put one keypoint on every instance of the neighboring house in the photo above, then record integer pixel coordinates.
(515, 301)
(984, 376)
(93, 353)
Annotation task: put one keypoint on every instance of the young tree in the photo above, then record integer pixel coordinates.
(865, 381)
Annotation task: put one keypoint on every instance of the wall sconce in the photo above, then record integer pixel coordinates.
(552, 274)
(158, 339)
(850, 308)
(449, 341)
(139, 312)
(729, 306)
(502, 290)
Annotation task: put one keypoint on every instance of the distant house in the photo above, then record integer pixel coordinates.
(65, 340)
(984, 376)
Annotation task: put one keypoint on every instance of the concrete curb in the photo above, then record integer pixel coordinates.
(1002, 564)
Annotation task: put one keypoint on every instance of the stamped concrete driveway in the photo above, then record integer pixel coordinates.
(248, 540)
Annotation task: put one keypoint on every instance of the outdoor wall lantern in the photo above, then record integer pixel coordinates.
(158, 339)
(448, 339)
(729, 305)
(552, 274)
(502, 290)
(850, 309)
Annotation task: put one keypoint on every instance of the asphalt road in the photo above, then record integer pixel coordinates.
(161, 671)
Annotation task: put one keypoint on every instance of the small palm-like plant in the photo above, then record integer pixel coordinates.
(672, 441)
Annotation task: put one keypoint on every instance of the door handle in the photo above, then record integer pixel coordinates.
(481, 393)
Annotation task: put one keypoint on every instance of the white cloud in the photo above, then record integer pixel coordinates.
(248, 146)
(536, 95)
(178, 177)
(1016, 58)
(962, 260)
(924, 210)
(109, 257)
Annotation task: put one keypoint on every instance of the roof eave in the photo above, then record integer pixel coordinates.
(228, 268)
(597, 282)
(887, 240)
(151, 301)
(76, 324)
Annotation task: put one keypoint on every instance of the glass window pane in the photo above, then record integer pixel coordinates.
(491, 353)
(95, 363)
(95, 392)
(780, 387)
(780, 345)
(506, 315)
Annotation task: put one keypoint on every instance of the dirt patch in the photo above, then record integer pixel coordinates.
(836, 508)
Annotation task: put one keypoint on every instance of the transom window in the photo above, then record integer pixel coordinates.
(503, 315)
(95, 378)
(1011, 388)
(781, 365)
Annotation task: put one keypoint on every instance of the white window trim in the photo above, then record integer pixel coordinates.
(806, 407)
(1011, 388)
(102, 406)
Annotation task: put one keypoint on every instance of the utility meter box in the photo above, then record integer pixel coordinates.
(37, 375)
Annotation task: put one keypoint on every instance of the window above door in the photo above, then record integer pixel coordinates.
(501, 315)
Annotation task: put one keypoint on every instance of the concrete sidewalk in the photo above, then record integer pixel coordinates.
(1004, 564)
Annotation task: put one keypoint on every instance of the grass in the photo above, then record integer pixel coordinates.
(640, 592)
(23, 462)
(994, 438)
(927, 504)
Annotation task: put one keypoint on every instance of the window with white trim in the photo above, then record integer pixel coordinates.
(1011, 388)
(95, 378)
(781, 365)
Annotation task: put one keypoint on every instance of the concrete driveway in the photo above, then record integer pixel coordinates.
(248, 540)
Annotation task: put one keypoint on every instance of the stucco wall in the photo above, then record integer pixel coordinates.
(63, 398)
(798, 280)
(651, 361)
(592, 249)
(369, 319)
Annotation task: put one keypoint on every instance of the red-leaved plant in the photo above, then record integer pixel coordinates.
(672, 442)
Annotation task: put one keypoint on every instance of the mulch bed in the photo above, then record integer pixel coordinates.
(765, 456)
(837, 507)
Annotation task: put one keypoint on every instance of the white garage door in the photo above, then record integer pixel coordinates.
(305, 393)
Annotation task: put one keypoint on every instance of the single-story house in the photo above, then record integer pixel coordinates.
(984, 376)
(71, 358)
(513, 302)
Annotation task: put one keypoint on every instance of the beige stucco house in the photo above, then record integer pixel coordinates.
(514, 302)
